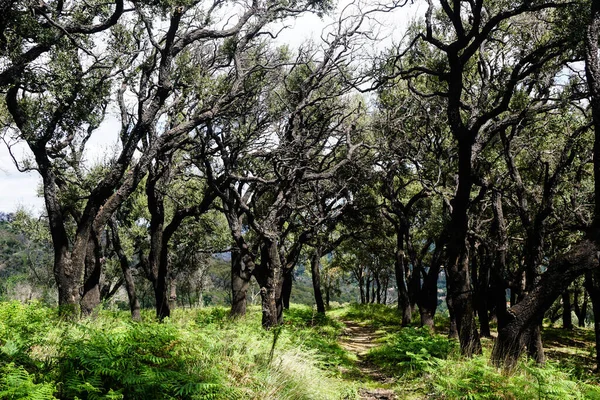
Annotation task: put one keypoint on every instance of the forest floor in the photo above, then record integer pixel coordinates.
(353, 352)
(411, 363)
(358, 339)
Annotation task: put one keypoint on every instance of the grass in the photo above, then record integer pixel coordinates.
(202, 354)
(196, 354)
(377, 316)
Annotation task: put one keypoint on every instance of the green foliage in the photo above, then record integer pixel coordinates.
(203, 354)
(375, 315)
(25, 258)
(196, 354)
(131, 359)
(477, 379)
(320, 332)
(17, 383)
(411, 351)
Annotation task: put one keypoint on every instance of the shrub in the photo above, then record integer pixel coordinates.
(411, 350)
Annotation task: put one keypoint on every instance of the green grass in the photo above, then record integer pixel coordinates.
(196, 354)
(377, 316)
(203, 354)
(410, 352)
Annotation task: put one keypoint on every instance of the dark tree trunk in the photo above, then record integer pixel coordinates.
(241, 273)
(534, 250)
(453, 328)
(90, 300)
(483, 292)
(159, 262)
(378, 288)
(457, 271)
(239, 285)
(580, 310)
(158, 270)
(584, 310)
(373, 289)
(134, 304)
(527, 314)
(535, 348)
(286, 289)
(385, 290)
(173, 292)
(592, 70)
(157, 258)
(368, 289)
(361, 286)
(400, 272)
(566, 306)
(315, 270)
(592, 286)
(497, 282)
(269, 277)
(428, 295)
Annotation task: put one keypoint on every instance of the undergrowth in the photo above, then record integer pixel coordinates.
(196, 354)
(428, 365)
(377, 316)
(202, 354)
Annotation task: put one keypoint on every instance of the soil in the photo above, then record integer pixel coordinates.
(359, 339)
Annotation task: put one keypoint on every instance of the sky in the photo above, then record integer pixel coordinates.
(20, 190)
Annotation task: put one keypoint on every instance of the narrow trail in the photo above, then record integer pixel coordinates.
(359, 339)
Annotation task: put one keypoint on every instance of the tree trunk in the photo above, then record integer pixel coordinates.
(497, 293)
(592, 71)
(373, 289)
(385, 290)
(90, 300)
(173, 292)
(134, 304)
(286, 288)
(483, 293)
(457, 271)
(361, 286)
(315, 270)
(428, 295)
(269, 277)
(580, 310)
(528, 313)
(592, 286)
(400, 272)
(241, 273)
(377, 288)
(566, 306)
(368, 289)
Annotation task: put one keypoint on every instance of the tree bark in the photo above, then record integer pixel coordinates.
(315, 270)
(241, 273)
(400, 272)
(269, 278)
(286, 287)
(566, 315)
(90, 300)
(483, 290)
(527, 313)
(134, 304)
(428, 295)
(580, 310)
(361, 286)
(457, 271)
(172, 292)
(592, 286)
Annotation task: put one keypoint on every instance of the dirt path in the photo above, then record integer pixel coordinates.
(359, 339)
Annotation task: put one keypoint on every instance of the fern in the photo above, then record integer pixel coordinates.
(17, 383)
